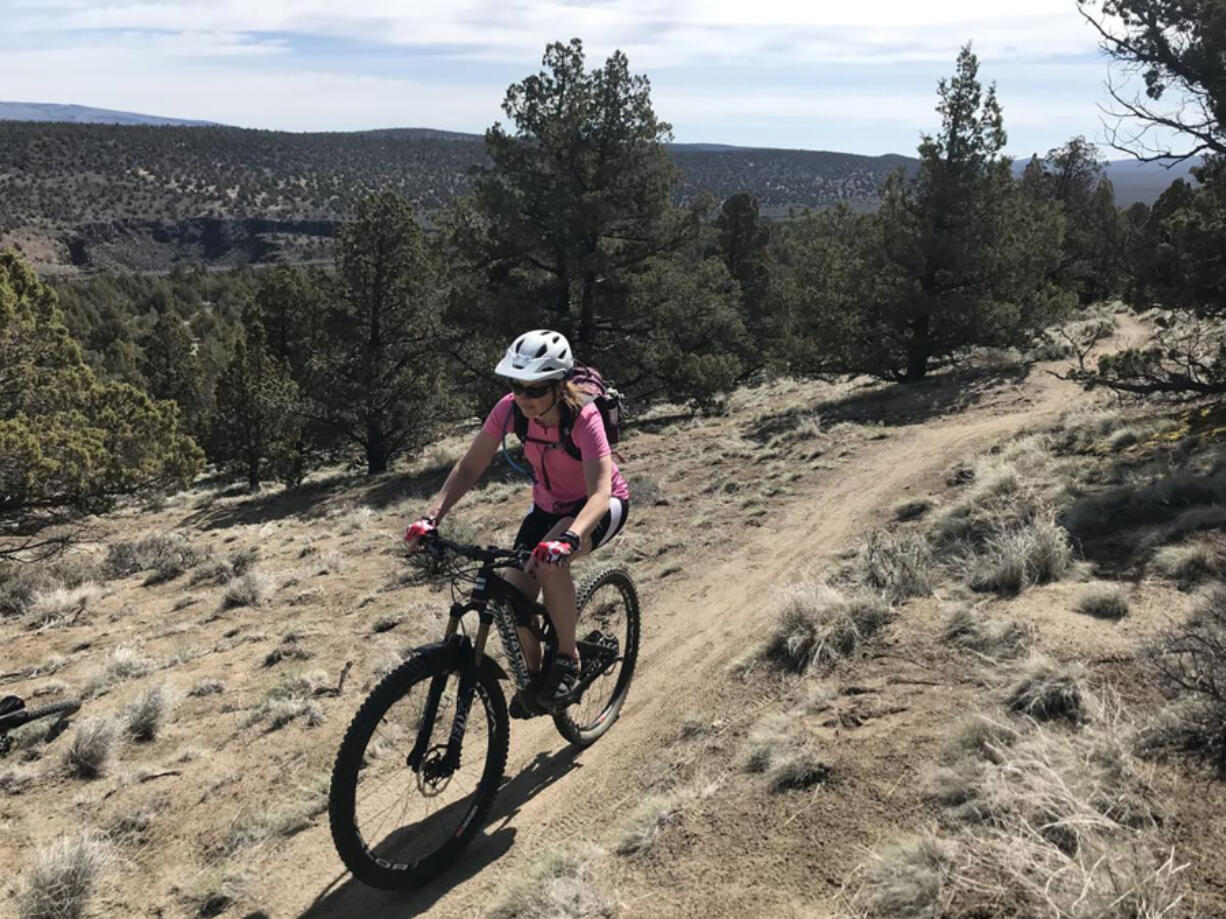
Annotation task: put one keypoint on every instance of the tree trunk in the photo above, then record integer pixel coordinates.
(587, 316)
(253, 471)
(918, 349)
(376, 449)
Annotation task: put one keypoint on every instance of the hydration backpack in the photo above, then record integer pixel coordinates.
(608, 402)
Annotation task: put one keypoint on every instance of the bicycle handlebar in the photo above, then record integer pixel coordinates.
(435, 544)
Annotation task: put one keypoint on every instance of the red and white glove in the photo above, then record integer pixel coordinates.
(556, 551)
(419, 530)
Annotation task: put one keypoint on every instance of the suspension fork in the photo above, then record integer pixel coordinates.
(469, 657)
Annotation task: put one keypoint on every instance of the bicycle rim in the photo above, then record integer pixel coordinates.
(609, 614)
(395, 827)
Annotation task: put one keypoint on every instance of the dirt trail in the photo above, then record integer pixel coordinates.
(695, 624)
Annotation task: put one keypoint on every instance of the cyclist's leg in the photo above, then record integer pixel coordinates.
(532, 530)
(559, 585)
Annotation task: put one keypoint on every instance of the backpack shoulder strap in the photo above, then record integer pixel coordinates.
(520, 421)
(514, 418)
(566, 431)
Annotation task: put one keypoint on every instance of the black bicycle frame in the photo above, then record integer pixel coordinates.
(512, 609)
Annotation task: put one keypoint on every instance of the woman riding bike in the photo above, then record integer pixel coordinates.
(578, 505)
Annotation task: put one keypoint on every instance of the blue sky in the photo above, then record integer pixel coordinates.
(859, 78)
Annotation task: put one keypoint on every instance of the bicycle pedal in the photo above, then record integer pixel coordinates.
(517, 709)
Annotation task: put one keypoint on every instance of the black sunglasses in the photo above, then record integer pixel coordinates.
(532, 392)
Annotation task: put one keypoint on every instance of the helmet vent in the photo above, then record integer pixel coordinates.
(544, 349)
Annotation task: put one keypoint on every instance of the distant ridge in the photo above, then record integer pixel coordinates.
(84, 114)
(140, 193)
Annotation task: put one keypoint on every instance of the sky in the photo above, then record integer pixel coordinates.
(846, 76)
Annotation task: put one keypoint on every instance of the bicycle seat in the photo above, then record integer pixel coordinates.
(10, 704)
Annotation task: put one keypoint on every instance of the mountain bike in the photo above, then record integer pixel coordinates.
(13, 714)
(420, 764)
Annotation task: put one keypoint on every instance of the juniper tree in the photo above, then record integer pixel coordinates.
(1072, 176)
(955, 256)
(68, 443)
(256, 424)
(574, 205)
(382, 372)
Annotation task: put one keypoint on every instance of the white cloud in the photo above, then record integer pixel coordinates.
(653, 33)
(157, 78)
(225, 60)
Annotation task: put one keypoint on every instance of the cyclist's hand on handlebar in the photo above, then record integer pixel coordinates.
(418, 531)
(556, 551)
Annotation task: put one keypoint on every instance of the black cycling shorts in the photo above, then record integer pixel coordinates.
(538, 523)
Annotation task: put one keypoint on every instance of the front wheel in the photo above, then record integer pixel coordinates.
(399, 820)
(608, 633)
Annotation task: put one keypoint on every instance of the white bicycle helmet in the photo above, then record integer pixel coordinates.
(537, 356)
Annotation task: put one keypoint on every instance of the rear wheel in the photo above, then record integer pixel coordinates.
(608, 633)
(396, 827)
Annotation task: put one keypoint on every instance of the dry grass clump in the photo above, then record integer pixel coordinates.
(60, 605)
(18, 585)
(247, 589)
(288, 699)
(144, 715)
(20, 582)
(207, 687)
(1103, 601)
(132, 827)
(558, 885)
(778, 748)
(168, 554)
(1187, 563)
(214, 890)
(1083, 431)
(899, 565)
(1012, 559)
(908, 879)
(16, 779)
(818, 624)
(991, 637)
(1048, 821)
(125, 662)
(62, 879)
(92, 747)
(252, 827)
(647, 821)
(1047, 690)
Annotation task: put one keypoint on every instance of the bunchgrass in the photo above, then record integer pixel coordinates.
(1103, 601)
(144, 716)
(93, 745)
(818, 624)
(62, 879)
